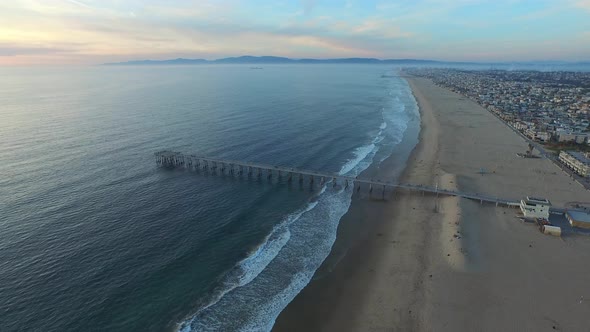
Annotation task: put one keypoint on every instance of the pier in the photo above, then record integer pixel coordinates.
(171, 159)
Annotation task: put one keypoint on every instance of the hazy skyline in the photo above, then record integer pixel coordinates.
(92, 31)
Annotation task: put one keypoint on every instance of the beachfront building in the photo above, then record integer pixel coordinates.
(533, 207)
(545, 106)
(535, 135)
(578, 138)
(576, 161)
(579, 219)
(519, 125)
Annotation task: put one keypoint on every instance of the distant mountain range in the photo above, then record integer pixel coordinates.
(255, 60)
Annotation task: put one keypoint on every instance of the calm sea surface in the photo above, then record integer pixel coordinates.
(95, 237)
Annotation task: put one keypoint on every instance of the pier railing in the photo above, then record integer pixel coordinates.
(171, 159)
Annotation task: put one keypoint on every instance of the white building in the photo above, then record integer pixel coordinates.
(520, 126)
(576, 161)
(572, 137)
(566, 137)
(535, 135)
(533, 207)
(543, 136)
(581, 138)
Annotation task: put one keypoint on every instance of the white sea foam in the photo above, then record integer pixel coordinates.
(359, 154)
(284, 263)
(334, 206)
(256, 262)
(250, 267)
(363, 156)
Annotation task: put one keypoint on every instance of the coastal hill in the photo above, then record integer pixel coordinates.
(272, 60)
(269, 60)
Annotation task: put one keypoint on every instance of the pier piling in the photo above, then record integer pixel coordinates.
(171, 159)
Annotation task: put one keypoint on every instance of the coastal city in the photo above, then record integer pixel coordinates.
(303, 165)
(551, 109)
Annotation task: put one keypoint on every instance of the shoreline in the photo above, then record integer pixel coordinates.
(319, 305)
(421, 263)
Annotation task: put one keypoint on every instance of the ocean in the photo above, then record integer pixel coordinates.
(95, 237)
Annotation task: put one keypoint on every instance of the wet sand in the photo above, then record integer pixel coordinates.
(422, 263)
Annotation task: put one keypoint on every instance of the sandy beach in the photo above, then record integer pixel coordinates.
(422, 263)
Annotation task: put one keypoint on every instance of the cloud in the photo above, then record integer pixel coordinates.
(540, 14)
(584, 4)
(308, 6)
(94, 31)
(380, 28)
(79, 3)
(16, 50)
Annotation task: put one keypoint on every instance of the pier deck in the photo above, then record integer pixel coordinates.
(173, 159)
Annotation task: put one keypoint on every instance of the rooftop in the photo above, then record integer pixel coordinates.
(579, 216)
(579, 156)
(537, 200)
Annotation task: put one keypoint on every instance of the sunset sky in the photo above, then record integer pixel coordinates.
(35, 32)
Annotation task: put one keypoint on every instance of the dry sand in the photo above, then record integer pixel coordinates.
(418, 263)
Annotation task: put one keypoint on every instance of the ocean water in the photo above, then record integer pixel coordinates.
(95, 237)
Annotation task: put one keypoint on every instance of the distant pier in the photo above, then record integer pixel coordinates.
(171, 159)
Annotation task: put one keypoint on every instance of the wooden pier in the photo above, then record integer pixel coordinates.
(171, 159)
